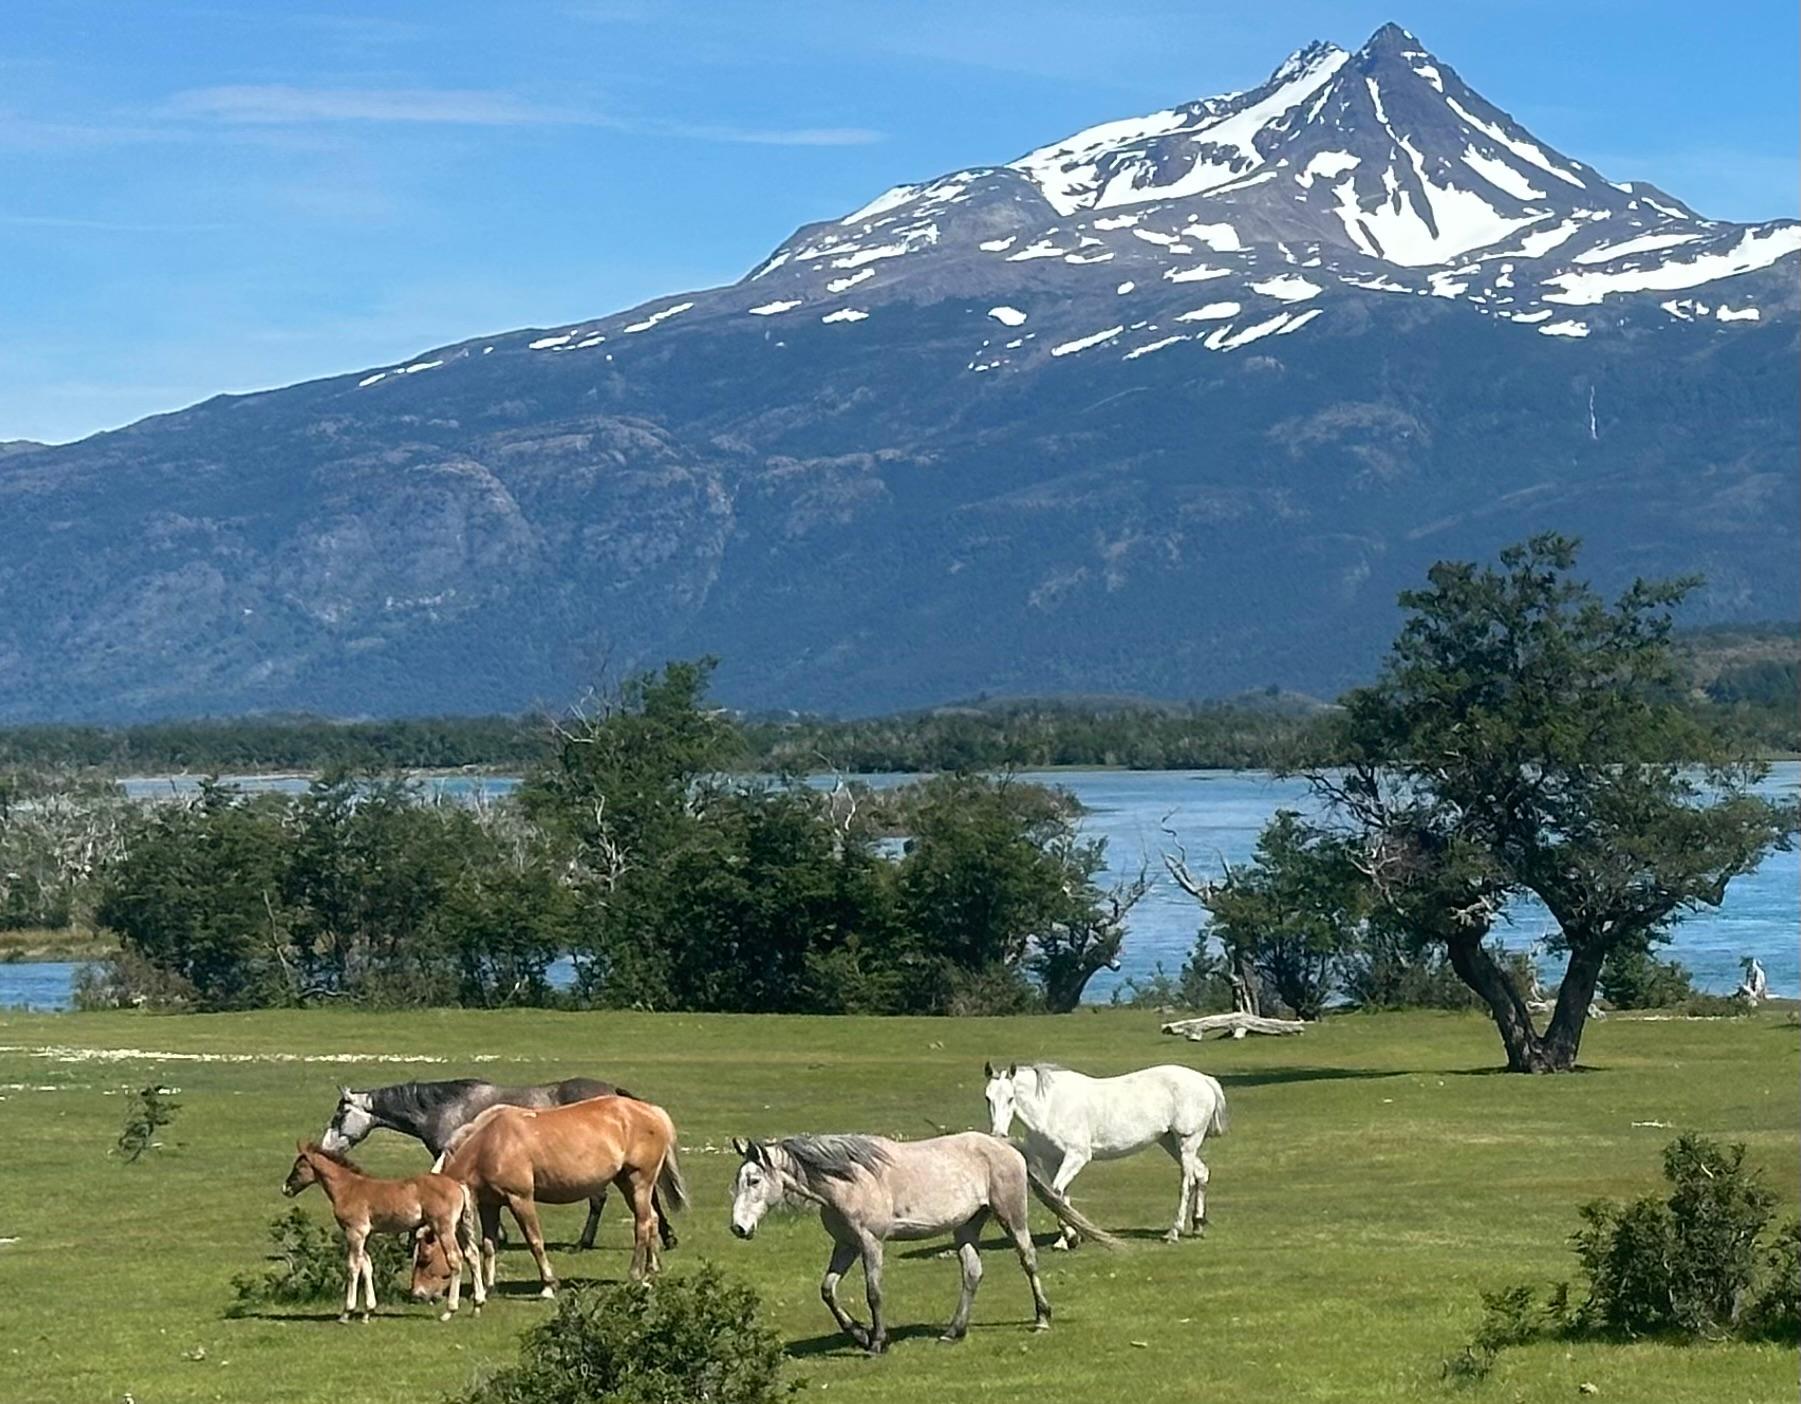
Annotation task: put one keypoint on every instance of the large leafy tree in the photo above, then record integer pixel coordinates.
(1526, 735)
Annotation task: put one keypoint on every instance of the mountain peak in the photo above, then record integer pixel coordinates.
(1301, 60)
(1391, 39)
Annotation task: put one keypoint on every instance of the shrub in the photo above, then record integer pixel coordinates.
(147, 1111)
(307, 1265)
(693, 1337)
(1693, 1265)
(1638, 980)
(1775, 1313)
(128, 980)
(1511, 1316)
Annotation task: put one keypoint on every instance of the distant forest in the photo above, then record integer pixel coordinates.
(1745, 675)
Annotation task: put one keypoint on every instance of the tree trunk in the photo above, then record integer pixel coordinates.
(1564, 1034)
(1246, 997)
(1526, 1051)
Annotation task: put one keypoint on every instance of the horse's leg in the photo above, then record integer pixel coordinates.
(872, 1291)
(843, 1255)
(1074, 1159)
(1012, 1218)
(353, 1267)
(448, 1229)
(967, 1238)
(368, 1282)
(1180, 1152)
(665, 1229)
(470, 1240)
(1198, 1169)
(592, 1227)
(526, 1212)
(489, 1214)
(644, 1227)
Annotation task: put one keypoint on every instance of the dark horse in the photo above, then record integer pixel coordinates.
(433, 1112)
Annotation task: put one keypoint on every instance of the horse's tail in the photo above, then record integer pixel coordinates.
(1067, 1213)
(1221, 1121)
(669, 1179)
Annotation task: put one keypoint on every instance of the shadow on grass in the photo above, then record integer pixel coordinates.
(1276, 1077)
(328, 1316)
(837, 1343)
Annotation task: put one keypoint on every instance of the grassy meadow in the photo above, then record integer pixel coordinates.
(1378, 1174)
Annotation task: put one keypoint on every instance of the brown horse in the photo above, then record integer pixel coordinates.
(520, 1158)
(363, 1204)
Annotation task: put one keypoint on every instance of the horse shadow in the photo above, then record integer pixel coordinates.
(1041, 1241)
(1277, 1077)
(330, 1317)
(839, 1344)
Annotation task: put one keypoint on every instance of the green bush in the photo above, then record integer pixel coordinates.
(306, 1264)
(147, 1111)
(689, 1338)
(1687, 1264)
(1694, 1265)
(1775, 1313)
(1637, 980)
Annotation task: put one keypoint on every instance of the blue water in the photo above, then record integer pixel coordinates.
(1217, 813)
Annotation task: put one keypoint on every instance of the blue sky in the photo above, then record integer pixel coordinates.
(197, 197)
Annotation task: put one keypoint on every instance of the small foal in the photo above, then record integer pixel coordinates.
(364, 1205)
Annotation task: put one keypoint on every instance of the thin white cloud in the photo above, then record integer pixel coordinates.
(285, 105)
(107, 226)
(280, 103)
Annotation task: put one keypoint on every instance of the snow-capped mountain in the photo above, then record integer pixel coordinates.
(1172, 405)
(1378, 171)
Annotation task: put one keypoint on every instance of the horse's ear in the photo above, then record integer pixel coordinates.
(300, 1148)
(343, 1093)
(988, 1071)
(1013, 1070)
(742, 1146)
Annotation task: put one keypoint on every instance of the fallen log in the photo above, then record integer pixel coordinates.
(1236, 1024)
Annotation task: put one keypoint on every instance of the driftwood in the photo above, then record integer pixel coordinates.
(1236, 1024)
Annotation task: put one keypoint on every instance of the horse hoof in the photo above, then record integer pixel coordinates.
(344, 1319)
(1042, 1324)
(548, 1293)
(1173, 1236)
(1062, 1245)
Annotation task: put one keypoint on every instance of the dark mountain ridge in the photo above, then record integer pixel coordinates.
(1171, 407)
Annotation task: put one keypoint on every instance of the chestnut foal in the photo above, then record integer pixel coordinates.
(363, 1204)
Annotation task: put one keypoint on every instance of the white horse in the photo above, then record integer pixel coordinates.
(1070, 1119)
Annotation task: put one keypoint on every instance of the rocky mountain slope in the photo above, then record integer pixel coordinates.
(1172, 406)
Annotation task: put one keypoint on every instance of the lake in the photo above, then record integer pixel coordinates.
(1217, 813)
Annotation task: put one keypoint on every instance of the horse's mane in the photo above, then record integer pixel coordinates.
(469, 1128)
(335, 1157)
(835, 1157)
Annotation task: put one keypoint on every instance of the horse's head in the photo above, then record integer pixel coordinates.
(353, 1120)
(431, 1266)
(303, 1173)
(1003, 1099)
(758, 1188)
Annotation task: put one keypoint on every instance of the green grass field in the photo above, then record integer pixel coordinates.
(1377, 1175)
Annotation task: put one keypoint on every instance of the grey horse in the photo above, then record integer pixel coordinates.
(433, 1112)
(870, 1189)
